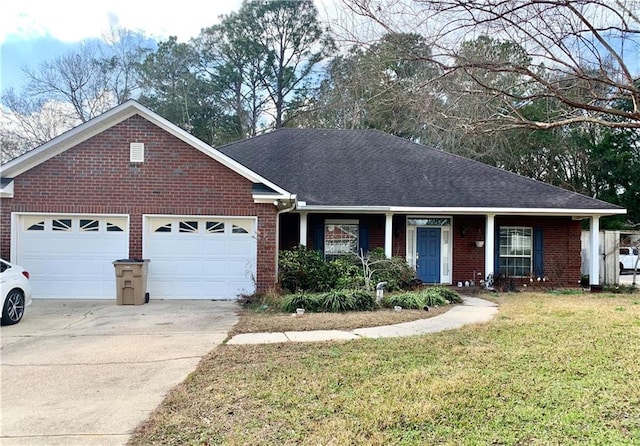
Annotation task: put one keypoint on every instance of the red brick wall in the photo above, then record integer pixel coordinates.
(96, 177)
(561, 247)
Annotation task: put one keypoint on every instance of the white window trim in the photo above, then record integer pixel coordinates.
(531, 247)
(338, 222)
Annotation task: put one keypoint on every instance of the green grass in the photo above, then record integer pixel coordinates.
(548, 370)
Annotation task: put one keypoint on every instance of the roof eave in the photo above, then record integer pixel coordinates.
(453, 210)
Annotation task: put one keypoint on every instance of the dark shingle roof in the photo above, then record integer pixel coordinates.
(372, 168)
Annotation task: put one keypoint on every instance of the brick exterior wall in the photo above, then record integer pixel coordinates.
(96, 177)
(561, 247)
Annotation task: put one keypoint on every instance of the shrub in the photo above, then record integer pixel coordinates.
(305, 269)
(411, 300)
(338, 301)
(310, 302)
(448, 294)
(375, 267)
(348, 272)
(364, 301)
(431, 297)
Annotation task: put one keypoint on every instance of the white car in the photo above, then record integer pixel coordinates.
(16, 292)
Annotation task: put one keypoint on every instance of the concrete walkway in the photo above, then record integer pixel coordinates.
(473, 310)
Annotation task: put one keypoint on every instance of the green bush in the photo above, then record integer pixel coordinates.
(395, 271)
(302, 269)
(431, 297)
(310, 302)
(338, 301)
(448, 294)
(348, 272)
(426, 297)
(412, 300)
(364, 301)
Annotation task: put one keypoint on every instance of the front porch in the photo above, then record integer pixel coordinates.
(447, 249)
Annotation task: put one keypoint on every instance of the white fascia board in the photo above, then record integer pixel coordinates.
(270, 198)
(7, 190)
(465, 211)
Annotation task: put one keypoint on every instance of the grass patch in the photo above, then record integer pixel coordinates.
(547, 370)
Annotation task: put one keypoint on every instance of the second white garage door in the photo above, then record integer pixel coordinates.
(200, 258)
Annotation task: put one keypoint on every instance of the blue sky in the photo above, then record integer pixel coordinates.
(32, 31)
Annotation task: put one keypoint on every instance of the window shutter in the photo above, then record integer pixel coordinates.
(363, 238)
(496, 253)
(318, 238)
(538, 254)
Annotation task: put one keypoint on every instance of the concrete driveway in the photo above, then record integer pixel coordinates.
(87, 372)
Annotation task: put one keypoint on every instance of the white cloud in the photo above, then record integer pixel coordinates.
(75, 20)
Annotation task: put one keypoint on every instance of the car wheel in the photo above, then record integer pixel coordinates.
(621, 267)
(13, 307)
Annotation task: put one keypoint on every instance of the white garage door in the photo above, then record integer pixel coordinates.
(200, 258)
(70, 257)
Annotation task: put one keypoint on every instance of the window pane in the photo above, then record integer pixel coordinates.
(429, 221)
(64, 224)
(516, 247)
(215, 227)
(112, 227)
(340, 239)
(88, 225)
(188, 226)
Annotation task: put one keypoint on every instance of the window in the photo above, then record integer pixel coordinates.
(38, 226)
(164, 228)
(241, 226)
(89, 225)
(215, 227)
(340, 238)
(428, 221)
(516, 247)
(63, 224)
(113, 227)
(188, 226)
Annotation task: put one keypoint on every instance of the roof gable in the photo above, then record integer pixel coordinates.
(109, 119)
(369, 168)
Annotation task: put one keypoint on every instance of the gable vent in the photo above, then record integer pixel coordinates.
(136, 152)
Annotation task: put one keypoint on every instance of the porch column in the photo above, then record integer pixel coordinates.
(388, 235)
(594, 267)
(303, 228)
(489, 245)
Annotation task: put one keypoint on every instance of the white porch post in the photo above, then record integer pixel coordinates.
(489, 245)
(388, 235)
(594, 267)
(303, 228)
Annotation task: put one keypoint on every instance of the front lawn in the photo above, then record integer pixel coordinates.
(549, 369)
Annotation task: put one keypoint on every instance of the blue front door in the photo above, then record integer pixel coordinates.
(428, 263)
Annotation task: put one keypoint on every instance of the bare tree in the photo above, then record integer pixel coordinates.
(582, 55)
(75, 78)
(27, 123)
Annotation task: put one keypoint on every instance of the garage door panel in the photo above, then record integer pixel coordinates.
(75, 262)
(207, 261)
